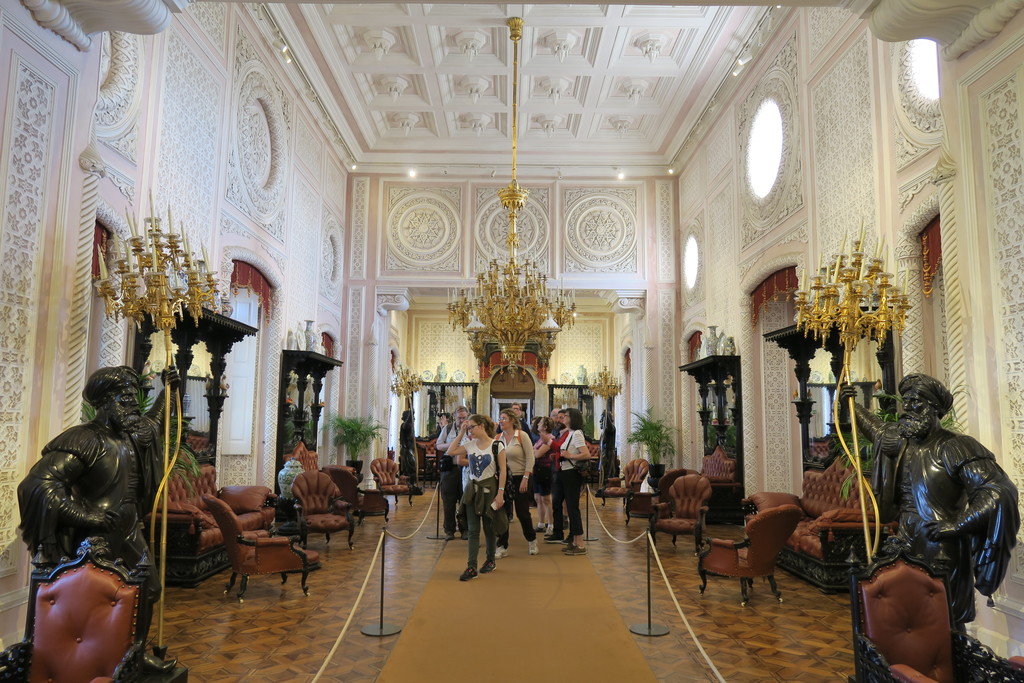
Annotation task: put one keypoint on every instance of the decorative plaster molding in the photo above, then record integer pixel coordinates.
(958, 26)
(910, 190)
(630, 301)
(75, 20)
(392, 299)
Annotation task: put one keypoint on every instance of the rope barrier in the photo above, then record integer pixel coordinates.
(617, 540)
(422, 521)
(645, 534)
(679, 609)
(355, 607)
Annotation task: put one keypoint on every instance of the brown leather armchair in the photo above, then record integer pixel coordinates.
(385, 471)
(753, 556)
(902, 629)
(82, 618)
(633, 474)
(320, 507)
(667, 479)
(685, 514)
(256, 552)
(347, 481)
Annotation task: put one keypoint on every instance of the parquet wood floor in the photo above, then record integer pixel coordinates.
(277, 634)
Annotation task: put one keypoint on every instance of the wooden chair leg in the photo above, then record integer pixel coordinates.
(231, 582)
(243, 586)
(703, 579)
(284, 577)
(305, 588)
(775, 589)
(743, 590)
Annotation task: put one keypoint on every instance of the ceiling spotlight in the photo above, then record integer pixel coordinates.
(444, 171)
(380, 41)
(282, 48)
(619, 174)
(671, 171)
(353, 166)
(412, 172)
(559, 174)
(744, 57)
(471, 42)
(493, 172)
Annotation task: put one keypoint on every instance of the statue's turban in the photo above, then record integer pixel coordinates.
(930, 389)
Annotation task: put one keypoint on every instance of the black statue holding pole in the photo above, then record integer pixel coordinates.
(407, 447)
(609, 456)
(947, 491)
(100, 478)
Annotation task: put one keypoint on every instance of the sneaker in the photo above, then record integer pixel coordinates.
(552, 538)
(470, 573)
(533, 547)
(449, 537)
(567, 541)
(575, 550)
(488, 567)
(549, 529)
(541, 527)
(500, 552)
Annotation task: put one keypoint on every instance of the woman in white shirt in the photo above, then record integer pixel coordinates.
(484, 496)
(571, 481)
(519, 456)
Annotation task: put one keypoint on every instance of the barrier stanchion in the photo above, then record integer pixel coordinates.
(381, 629)
(438, 536)
(649, 629)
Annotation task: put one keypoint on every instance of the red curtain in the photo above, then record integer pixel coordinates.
(780, 283)
(931, 254)
(248, 276)
(694, 344)
(328, 342)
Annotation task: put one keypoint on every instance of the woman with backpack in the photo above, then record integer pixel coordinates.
(570, 481)
(484, 496)
(519, 456)
(542, 472)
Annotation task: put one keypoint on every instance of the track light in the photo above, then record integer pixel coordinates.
(282, 48)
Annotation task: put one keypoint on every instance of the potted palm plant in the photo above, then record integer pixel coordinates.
(657, 439)
(355, 434)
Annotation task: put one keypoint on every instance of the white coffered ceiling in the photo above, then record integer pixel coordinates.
(431, 85)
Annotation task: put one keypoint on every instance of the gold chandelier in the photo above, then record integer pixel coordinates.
(511, 303)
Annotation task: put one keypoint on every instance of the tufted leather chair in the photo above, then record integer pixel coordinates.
(82, 618)
(320, 507)
(347, 481)
(633, 474)
(308, 458)
(901, 629)
(385, 471)
(689, 496)
(753, 556)
(256, 552)
(667, 479)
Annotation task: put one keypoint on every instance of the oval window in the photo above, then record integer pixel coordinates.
(691, 260)
(764, 149)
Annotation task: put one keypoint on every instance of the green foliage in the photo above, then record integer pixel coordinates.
(655, 435)
(355, 434)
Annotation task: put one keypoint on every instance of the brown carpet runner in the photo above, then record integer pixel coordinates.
(540, 618)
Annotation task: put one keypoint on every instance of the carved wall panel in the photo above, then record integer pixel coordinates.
(117, 106)
(720, 256)
(532, 225)
(582, 344)
(28, 128)
(230, 226)
(304, 239)
(719, 149)
(334, 189)
(844, 149)
(1004, 174)
(665, 224)
(437, 342)
(423, 231)
(257, 164)
(212, 18)
(360, 224)
(308, 147)
(601, 230)
(778, 415)
(691, 188)
(331, 250)
(668, 360)
(785, 196)
(354, 335)
(823, 23)
(190, 113)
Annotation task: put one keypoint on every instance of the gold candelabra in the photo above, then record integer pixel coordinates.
(857, 298)
(606, 385)
(511, 303)
(156, 275)
(405, 383)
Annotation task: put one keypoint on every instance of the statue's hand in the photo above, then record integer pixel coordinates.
(170, 377)
(939, 530)
(102, 519)
(846, 392)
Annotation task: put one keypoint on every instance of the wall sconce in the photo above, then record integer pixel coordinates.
(471, 42)
(380, 41)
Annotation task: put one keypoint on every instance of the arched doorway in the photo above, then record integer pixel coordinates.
(513, 385)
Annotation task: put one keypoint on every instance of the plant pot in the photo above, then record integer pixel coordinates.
(654, 475)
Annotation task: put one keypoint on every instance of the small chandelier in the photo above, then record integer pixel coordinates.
(511, 303)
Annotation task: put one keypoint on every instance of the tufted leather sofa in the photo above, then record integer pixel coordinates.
(818, 549)
(195, 545)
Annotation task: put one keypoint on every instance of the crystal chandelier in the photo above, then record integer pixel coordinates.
(511, 303)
